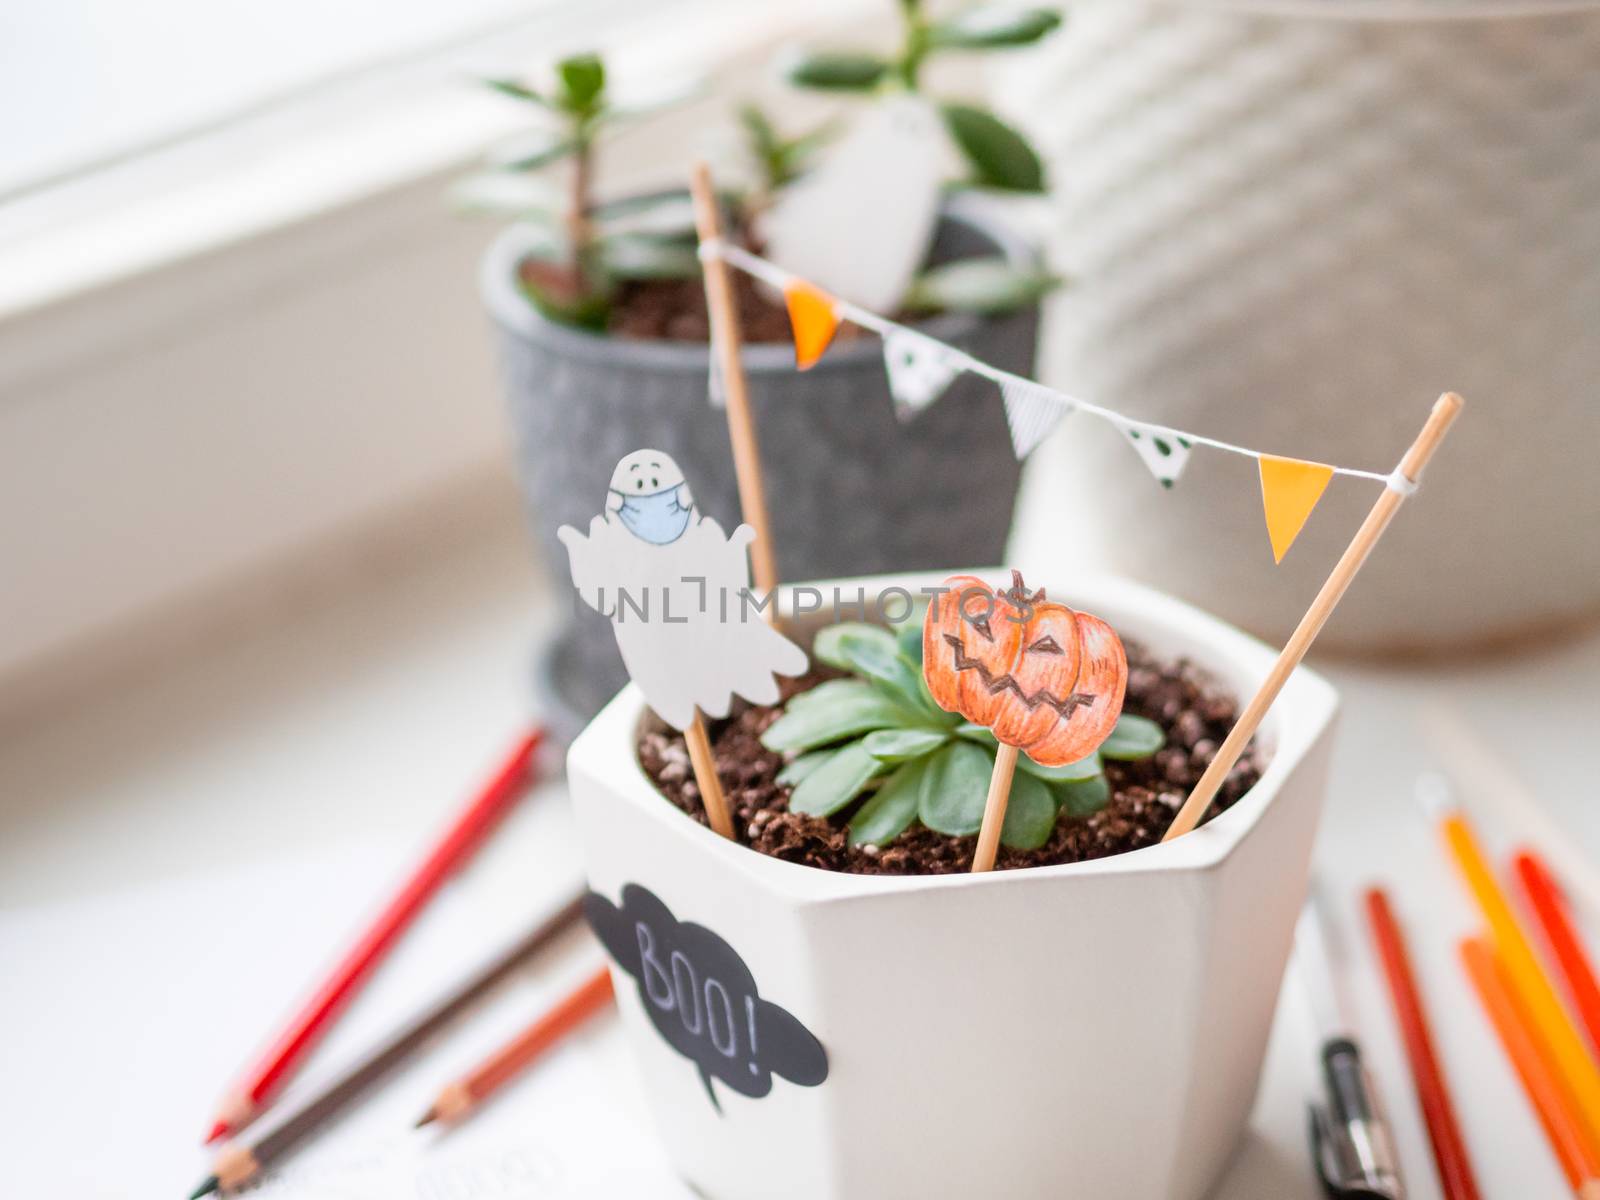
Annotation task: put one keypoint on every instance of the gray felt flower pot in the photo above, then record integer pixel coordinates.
(851, 490)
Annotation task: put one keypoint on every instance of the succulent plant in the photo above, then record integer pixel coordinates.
(584, 249)
(779, 159)
(998, 157)
(877, 733)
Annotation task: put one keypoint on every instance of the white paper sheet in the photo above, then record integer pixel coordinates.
(126, 1015)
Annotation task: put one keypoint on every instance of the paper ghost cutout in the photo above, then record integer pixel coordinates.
(677, 592)
(652, 499)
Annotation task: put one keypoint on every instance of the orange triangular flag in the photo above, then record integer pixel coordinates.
(812, 316)
(1290, 489)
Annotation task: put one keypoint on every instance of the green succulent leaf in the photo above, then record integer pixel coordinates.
(977, 733)
(1082, 797)
(1000, 156)
(1085, 768)
(909, 636)
(902, 745)
(836, 71)
(662, 216)
(534, 151)
(849, 642)
(993, 27)
(781, 158)
(1030, 813)
(640, 256)
(793, 154)
(1133, 738)
(832, 711)
(625, 206)
(517, 91)
(889, 811)
(797, 770)
(836, 782)
(871, 651)
(583, 78)
(979, 285)
(562, 294)
(954, 789)
(586, 312)
(763, 136)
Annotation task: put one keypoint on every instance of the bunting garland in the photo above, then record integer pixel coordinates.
(1290, 489)
(1032, 411)
(1165, 451)
(920, 369)
(813, 316)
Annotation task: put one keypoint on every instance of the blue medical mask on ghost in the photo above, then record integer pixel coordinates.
(658, 518)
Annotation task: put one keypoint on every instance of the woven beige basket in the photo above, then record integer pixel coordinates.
(1293, 225)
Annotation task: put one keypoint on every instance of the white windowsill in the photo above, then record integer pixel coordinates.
(243, 357)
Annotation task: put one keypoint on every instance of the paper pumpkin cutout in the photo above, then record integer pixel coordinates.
(1164, 451)
(920, 370)
(812, 317)
(1290, 489)
(1032, 411)
(1044, 678)
(676, 589)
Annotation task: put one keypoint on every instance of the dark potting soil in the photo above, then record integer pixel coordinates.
(674, 310)
(1182, 699)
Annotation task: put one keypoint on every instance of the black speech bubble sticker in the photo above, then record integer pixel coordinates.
(702, 998)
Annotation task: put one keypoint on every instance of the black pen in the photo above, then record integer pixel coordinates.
(1350, 1141)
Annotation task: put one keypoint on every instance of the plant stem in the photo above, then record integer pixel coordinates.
(915, 46)
(578, 229)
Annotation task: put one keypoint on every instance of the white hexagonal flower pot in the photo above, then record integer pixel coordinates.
(1093, 1030)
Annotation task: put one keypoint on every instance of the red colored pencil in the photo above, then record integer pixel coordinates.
(1433, 1095)
(289, 1048)
(1544, 898)
(461, 1098)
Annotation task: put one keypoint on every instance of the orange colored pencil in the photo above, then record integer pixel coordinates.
(289, 1049)
(1456, 1179)
(458, 1100)
(1544, 898)
(1537, 998)
(1557, 1111)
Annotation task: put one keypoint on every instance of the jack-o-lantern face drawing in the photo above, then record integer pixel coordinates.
(1043, 677)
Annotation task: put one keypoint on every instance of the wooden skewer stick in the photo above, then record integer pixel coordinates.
(994, 808)
(1445, 410)
(705, 774)
(726, 340)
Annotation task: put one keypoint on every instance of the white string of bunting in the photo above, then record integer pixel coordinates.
(920, 369)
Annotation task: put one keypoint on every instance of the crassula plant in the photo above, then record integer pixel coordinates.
(584, 249)
(774, 159)
(996, 156)
(878, 734)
